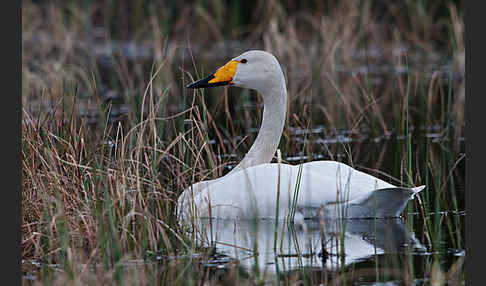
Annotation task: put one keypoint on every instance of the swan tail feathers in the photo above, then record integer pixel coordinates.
(417, 190)
(381, 203)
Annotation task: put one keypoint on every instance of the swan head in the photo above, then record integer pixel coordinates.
(258, 70)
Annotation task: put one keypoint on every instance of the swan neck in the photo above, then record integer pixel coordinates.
(273, 121)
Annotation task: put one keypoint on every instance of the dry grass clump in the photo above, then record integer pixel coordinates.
(110, 192)
(100, 200)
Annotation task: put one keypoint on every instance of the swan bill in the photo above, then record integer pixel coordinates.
(223, 76)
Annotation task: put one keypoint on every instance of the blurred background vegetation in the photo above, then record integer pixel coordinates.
(348, 61)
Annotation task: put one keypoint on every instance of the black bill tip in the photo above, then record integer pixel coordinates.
(202, 83)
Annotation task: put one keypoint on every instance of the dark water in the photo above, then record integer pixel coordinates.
(382, 250)
(357, 252)
(353, 252)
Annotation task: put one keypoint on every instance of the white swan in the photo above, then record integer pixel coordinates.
(250, 189)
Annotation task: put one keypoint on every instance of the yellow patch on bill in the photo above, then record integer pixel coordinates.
(225, 73)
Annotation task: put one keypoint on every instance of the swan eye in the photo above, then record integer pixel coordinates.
(244, 61)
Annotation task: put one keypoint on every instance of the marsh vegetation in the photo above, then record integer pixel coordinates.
(110, 136)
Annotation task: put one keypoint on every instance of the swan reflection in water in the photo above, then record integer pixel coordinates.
(330, 243)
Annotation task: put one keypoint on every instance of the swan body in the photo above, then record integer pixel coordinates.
(250, 189)
(336, 188)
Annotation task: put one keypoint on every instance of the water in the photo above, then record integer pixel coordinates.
(359, 251)
(371, 250)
